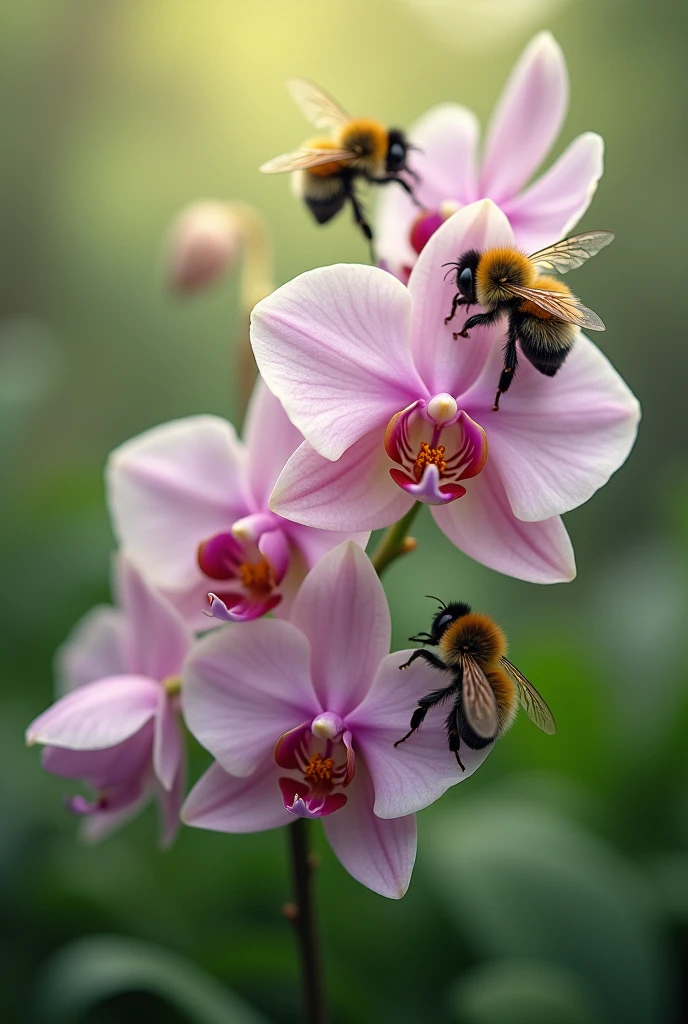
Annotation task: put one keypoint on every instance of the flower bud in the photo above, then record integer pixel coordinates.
(205, 241)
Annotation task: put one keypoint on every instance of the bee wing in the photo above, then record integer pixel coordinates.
(303, 158)
(479, 703)
(315, 105)
(531, 701)
(571, 252)
(564, 307)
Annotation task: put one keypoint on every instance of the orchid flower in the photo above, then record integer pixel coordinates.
(302, 717)
(117, 727)
(395, 410)
(190, 502)
(523, 129)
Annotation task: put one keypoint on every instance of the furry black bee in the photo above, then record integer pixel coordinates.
(543, 313)
(484, 686)
(326, 169)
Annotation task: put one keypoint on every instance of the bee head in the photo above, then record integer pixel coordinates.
(397, 150)
(444, 617)
(464, 271)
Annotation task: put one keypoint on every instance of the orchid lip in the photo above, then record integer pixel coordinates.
(313, 750)
(431, 471)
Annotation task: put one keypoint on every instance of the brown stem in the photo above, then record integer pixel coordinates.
(303, 917)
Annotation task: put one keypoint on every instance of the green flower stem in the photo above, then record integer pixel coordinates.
(395, 542)
(303, 917)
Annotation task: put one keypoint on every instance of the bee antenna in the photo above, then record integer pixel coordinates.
(438, 599)
(416, 149)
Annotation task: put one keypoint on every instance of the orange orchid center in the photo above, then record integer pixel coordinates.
(257, 576)
(319, 768)
(428, 456)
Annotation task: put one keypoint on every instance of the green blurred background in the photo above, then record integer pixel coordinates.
(553, 887)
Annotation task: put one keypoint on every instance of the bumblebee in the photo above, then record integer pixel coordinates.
(543, 313)
(484, 686)
(326, 169)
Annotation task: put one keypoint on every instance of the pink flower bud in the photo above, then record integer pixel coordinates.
(205, 240)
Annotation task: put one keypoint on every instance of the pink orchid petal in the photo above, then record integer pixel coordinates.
(416, 773)
(482, 525)
(270, 439)
(342, 609)
(354, 493)
(527, 119)
(241, 607)
(95, 648)
(97, 715)
(448, 137)
(554, 204)
(291, 746)
(170, 488)
(447, 365)
(168, 745)
(220, 556)
(333, 345)
(223, 803)
(555, 441)
(170, 804)
(378, 854)
(314, 544)
(157, 637)
(275, 546)
(98, 826)
(246, 686)
(104, 769)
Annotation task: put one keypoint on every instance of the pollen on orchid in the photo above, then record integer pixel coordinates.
(172, 685)
(257, 576)
(319, 768)
(428, 456)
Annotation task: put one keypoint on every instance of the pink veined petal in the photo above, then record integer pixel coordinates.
(556, 440)
(244, 686)
(333, 345)
(551, 207)
(168, 745)
(157, 637)
(342, 609)
(448, 137)
(314, 544)
(94, 649)
(527, 119)
(483, 526)
(97, 715)
(413, 775)
(445, 364)
(170, 804)
(223, 803)
(104, 769)
(379, 854)
(354, 493)
(270, 439)
(172, 487)
(240, 607)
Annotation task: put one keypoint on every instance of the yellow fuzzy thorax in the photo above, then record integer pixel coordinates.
(364, 135)
(545, 284)
(498, 267)
(474, 634)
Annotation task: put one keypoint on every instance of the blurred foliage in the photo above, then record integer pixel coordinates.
(554, 886)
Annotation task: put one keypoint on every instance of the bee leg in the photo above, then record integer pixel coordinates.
(509, 367)
(424, 705)
(454, 737)
(400, 181)
(359, 216)
(458, 300)
(478, 320)
(428, 656)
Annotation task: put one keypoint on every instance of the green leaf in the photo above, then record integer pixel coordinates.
(91, 970)
(519, 992)
(524, 882)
